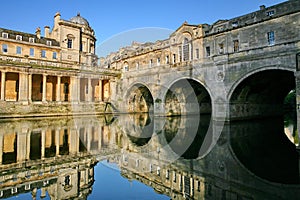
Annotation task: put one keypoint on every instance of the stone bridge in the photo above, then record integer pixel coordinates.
(234, 69)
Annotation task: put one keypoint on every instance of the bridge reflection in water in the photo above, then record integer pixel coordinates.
(178, 157)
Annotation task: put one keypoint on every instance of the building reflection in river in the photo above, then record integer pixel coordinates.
(58, 156)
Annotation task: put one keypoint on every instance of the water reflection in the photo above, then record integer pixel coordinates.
(59, 158)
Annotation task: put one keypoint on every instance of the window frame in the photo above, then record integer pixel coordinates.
(18, 50)
(31, 52)
(31, 40)
(4, 35)
(4, 50)
(43, 53)
(54, 55)
(19, 37)
(271, 38)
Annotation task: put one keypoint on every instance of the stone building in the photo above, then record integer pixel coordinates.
(60, 66)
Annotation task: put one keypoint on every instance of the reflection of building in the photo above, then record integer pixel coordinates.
(54, 156)
(60, 66)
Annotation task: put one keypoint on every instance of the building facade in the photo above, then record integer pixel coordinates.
(60, 66)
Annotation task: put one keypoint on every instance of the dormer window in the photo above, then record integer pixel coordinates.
(19, 37)
(49, 43)
(235, 24)
(31, 40)
(271, 12)
(5, 35)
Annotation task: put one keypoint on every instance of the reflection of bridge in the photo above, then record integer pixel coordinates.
(238, 68)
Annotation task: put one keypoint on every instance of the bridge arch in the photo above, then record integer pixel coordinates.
(187, 96)
(260, 93)
(139, 98)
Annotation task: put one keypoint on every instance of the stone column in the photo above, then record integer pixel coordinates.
(28, 145)
(73, 142)
(90, 93)
(43, 144)
(88, 139)
(100, 90)
(1, 146)
(29, 87)
(58, 92)
(57, 141)
(100, 138)
(21, 145)
(74, 89)
(3, 77)
(23, 87)
(44, 99)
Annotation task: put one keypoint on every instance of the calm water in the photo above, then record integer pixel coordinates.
(146, 157)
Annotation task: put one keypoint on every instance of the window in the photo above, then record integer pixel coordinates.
(31, 40)
(235, 45)
(31, 52)
(174, 58)
(186, 50)
(271, 12)
(49, 43)
(271, 38)
(150, 63)
(221, 48)
(235, 24)
(5, 35)
(19, 50)
(158, 61)
(54, 55)
(207, 51)
(4, 48)
(43, 54)
(70, 41)
(19, 37)
(167, 59)
(197, 53)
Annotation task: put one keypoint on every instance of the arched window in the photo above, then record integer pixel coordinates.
(186, 49)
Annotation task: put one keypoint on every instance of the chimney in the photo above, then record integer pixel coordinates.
(262, 7)
(38, 32)
(47, 28)
(56, 19)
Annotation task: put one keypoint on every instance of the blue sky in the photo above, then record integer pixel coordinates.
(110, 18)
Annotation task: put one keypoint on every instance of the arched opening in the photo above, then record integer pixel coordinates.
(139, 128)
(188, 105)
(258, 139)
(140, 99)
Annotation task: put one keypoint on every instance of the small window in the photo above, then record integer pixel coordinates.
(207, 51)
(235, 45)
(158, 61)
(221, 48)
(174, 58)
(167, 59)
(70, 41)
(31, 52)
(19, 37)
(271, 38)
(271, 12)
(31, 40)
(49, 43)
(150, 63)
(54, 55)
(43, 54)
(4, 48)
(235, 24)
(5, 35)
(19, 50)
(197, 54)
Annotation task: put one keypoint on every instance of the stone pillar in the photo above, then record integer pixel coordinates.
(1, 146)
(21, 145)
(3, 80)
(43, 144)
(100, 90)
(73, 142)
(88, 139)
(44, 99)
(23, 87)
(29, 87)
(28, 146)
(57, 141)
(43, 193)
(58, 92)
(74, 89)
(90, 93)
(100, 138)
